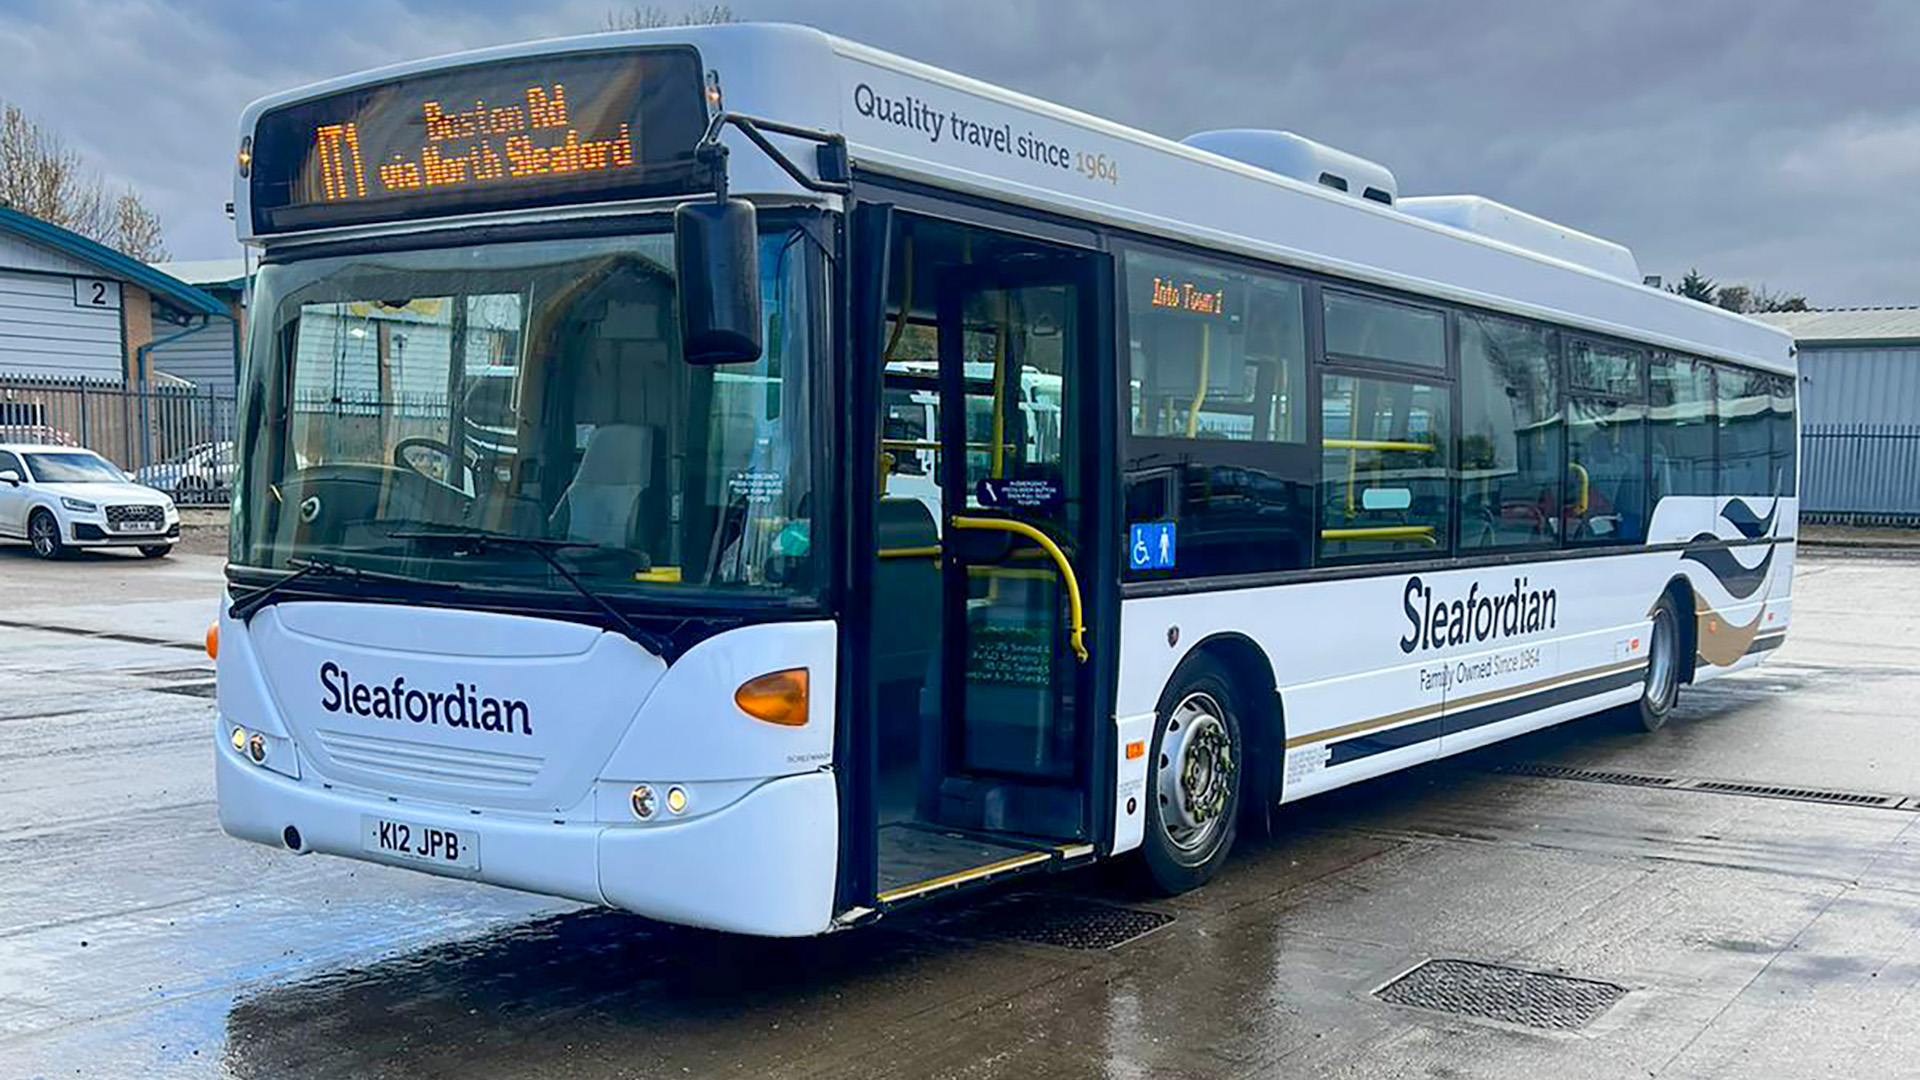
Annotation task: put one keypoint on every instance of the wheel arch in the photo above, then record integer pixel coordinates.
(1680, 589)
(1251, 670)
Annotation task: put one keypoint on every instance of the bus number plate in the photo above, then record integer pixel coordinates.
(418, 843)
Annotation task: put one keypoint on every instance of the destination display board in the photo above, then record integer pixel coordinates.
(533, 131)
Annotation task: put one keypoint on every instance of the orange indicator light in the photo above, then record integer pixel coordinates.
(778, 697)
(1136, 749)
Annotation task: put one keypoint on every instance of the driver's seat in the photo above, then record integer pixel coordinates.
(602, 504)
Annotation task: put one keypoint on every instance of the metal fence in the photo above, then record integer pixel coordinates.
(1861, 474)
(178, 439)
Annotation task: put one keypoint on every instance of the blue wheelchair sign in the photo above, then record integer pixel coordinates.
(1151, 546)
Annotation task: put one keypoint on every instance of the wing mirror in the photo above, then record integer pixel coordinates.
(716, 250)
(10, 477)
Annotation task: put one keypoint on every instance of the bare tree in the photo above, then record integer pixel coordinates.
(1752, 299)
(137, 230)
(653, 17)
(42, 176)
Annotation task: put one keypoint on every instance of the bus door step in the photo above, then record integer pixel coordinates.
(918, 861)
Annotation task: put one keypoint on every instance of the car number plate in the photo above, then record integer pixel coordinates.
(139, 526)
(414, 842)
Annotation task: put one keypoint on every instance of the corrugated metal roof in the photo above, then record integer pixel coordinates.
(173, 290)
(1848, 324)
(206, 273)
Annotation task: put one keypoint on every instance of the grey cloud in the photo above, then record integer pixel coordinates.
(1763, 140)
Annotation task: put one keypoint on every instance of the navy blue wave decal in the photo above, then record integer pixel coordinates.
(1739, 581)
(1751, 525)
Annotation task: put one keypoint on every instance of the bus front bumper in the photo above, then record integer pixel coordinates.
(766, 864)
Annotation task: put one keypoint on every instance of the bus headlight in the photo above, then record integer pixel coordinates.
(257, 747)
(643, 801)
(677, 799)
(239, 740)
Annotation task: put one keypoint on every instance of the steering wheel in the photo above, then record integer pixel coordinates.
(429, 457)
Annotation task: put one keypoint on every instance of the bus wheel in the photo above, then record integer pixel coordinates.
(1663, 667)
(1193, 803)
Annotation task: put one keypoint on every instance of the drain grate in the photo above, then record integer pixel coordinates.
(1595, 776)
(205, 689)
(1849, 798)
(1050, 919)
(1510, 995)
(1718, 787)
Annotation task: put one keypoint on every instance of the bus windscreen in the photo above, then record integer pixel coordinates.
(524, 132)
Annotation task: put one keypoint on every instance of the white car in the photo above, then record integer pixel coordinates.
(198, 475)
(60, 497)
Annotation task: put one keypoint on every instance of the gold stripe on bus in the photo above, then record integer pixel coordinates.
(1424, 711)
(992, 868)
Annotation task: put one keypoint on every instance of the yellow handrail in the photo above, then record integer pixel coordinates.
(1076, 636)
(1353, 458)
(1580, 504)
(928, 551)
(1374, 444)
(1200, 390)
(1381, 532)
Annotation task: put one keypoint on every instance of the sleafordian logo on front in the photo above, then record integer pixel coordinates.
(462, 707)
(1477, 616)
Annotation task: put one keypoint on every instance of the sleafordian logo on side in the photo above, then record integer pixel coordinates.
(1477, 616)
(464, 707)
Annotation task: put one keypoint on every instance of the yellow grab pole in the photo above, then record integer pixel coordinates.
(1076, 636)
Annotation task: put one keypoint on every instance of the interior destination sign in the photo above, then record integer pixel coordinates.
(530, 131)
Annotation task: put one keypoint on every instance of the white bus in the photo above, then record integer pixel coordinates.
(745, 478)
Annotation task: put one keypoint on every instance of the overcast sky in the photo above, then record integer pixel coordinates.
(1767, 141)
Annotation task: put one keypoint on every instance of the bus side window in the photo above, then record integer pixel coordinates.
(1217, 438)
(1785, 449)
(1606, 496)
(1511, 434)
(1742, 401)
(1384, 469)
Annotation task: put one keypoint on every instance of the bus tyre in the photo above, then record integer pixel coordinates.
(1194, 779)
(43, 533)
(1662, 687)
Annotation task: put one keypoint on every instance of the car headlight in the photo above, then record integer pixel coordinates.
(78, 506)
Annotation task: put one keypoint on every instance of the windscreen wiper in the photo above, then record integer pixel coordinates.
(549, 550)
(247, 606)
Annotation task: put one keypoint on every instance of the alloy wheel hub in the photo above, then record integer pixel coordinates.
(1196, 771)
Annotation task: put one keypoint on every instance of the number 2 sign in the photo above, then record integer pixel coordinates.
(95, 293)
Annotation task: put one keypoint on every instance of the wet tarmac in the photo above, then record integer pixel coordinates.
(1753, 935)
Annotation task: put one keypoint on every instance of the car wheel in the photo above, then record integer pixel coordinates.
(156, 551)
(43, 532)
(1193, 797)
(1662, 687)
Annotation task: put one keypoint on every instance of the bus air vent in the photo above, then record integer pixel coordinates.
(1497, 221)
(1301, 158)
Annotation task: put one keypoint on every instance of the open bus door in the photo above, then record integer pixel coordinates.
(988, 745)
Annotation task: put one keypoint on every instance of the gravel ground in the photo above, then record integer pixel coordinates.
(203, 531)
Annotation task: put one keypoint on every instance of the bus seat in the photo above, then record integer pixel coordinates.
(602, 503)
(906, 590)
